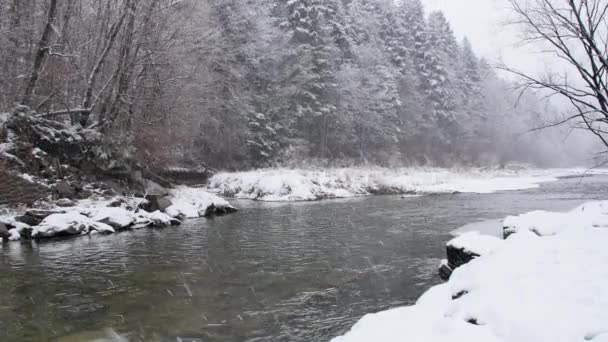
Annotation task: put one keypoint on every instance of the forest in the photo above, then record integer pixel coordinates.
(245, 84)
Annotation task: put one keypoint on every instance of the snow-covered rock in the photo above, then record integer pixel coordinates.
(469, 246)
(65, 203)
(71, 223)
(196, 202)
(117, 218)
(109, 215)
(545, 283)
(308, 185)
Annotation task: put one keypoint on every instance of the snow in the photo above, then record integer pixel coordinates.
(118, 218)
(543, 223)
(193, 202)
(476, 243)
(487, 227)
(108, 215)
(309, 185)
(70, 223)
(28, 177)
(527, 288)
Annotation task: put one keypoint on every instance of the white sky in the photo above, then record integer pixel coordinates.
(483, 22)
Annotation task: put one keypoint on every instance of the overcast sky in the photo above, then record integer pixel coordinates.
(482, 21)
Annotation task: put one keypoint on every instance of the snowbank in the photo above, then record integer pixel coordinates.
(308, 185)
(545, 223)
(527, 288)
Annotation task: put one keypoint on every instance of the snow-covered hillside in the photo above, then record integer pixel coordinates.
(309, 185)
(547, 282)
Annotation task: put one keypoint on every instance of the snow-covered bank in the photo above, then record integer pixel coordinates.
(547, 282)
(109, 215)
(308, 185)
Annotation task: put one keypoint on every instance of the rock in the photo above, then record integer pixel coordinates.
(34, 217)
(64, 190)
(4, 234)
(65, 203)
(67, 224)
(117, 218)
(445, 271)
(156, 203)
(508, 231)
(153, 188)
(218, 210)
(458, 256)
(158, 219)
(117, 202)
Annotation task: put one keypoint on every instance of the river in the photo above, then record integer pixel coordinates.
(271, 272)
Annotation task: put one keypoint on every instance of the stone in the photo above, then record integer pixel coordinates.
(445, 271)
(153, 188)
(64, 190)
(34, 217)
(218, 210)
(4, 234)
(117, 202)
(458, 256)
(65, 203)
(156, 203)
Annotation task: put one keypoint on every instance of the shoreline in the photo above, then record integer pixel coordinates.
(547, 271)
(109, 215)
(304, 185)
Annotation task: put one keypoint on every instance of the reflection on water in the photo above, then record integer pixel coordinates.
(271, 272)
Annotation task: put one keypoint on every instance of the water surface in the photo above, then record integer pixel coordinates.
(271, 272)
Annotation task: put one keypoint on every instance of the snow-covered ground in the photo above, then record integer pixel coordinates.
(308, 185)
(547, 282)
(109, 215)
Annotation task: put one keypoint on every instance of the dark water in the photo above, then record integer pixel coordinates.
(272, 272)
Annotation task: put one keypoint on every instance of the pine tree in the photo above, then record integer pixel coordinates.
(312, 58)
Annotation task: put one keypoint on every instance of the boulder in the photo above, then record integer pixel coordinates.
(156, 203)
(66, 224)
(218, 210)
(65, 203)
(153, 188)
(117, 202)
(64, 190)
(34, 217)
(156, 219)
(459, 256)
(117, 218)
(445, 271)
(4, 234)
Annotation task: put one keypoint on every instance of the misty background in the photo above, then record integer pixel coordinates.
(244, 84)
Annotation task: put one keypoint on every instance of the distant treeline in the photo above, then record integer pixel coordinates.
(243, 83)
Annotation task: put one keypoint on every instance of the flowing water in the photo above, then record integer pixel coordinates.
(271, 272)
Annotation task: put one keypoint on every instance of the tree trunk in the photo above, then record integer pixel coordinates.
(88, 95)
(43, 50)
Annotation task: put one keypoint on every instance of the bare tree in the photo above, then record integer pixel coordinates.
(576, 32)
(41, 53)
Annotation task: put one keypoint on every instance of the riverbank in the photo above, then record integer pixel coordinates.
(107, 215)
(546, 282)
(281, 185)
